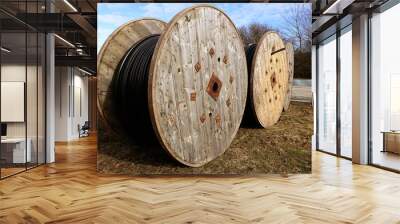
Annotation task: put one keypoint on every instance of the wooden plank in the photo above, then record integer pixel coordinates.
(290, 61)
(189, 111)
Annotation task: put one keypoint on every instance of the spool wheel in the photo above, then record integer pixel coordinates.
(269, 79)
(290, 59)
(111, 53)
(197, 85)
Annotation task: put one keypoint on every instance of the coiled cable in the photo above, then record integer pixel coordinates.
(129, 91)
(249, 118)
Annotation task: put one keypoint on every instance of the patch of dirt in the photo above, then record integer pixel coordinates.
(284, 148)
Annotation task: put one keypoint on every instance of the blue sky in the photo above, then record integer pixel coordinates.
(112, 15)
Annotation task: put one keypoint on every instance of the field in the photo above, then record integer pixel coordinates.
(283, 148)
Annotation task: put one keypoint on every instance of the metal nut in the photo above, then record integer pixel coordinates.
(225, 60)
(197, 67)
(193, 96)
(211, 52)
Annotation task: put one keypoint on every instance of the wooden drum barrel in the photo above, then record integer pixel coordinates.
(268, 80)
(196, 86)
(290, 61)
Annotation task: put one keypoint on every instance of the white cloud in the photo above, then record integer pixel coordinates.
(113, 19)
(112, 6)
(111, 16)
(163, 10)
(244, 14)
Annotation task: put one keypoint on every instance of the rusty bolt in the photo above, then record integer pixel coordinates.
(211, 52)
(228, 102)
(193, 96)
(231, 79)
(203, 118)
(197, 67)
(225, 60)
(218, 120)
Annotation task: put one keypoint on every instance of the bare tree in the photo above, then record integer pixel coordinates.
(253, 32)
(297, 27)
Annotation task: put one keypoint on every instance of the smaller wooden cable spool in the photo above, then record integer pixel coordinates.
(268, 80)
(290, 59)
(197, 84)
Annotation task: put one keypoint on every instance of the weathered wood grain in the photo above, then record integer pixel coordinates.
(269, 79)
(290, 62)
(198, 85)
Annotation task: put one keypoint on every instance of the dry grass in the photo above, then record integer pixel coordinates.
(283, 148)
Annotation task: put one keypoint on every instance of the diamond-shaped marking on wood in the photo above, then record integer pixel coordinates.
(214, 87)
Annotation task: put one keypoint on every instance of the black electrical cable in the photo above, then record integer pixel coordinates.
(249, 118)
(129, 88)
(250, 50)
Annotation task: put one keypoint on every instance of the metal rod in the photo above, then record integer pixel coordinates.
(277, 51)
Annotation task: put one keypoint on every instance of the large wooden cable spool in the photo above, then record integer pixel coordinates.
(197, 85)
(111, 53)
(290, 61)
(268, 80)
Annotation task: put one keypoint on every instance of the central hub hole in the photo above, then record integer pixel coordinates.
(215, 87)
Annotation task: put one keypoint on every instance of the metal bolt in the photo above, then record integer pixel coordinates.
(225, 60)
(228, 102)
(211, 52)
(203, 118)
(193, 96)
(197, 67)
(218, 120)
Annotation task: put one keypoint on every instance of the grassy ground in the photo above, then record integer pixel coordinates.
(283, 148)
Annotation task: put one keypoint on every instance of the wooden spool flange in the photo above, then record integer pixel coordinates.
(290, 61)
(268, 81)
(111, 53)
(197, 84)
